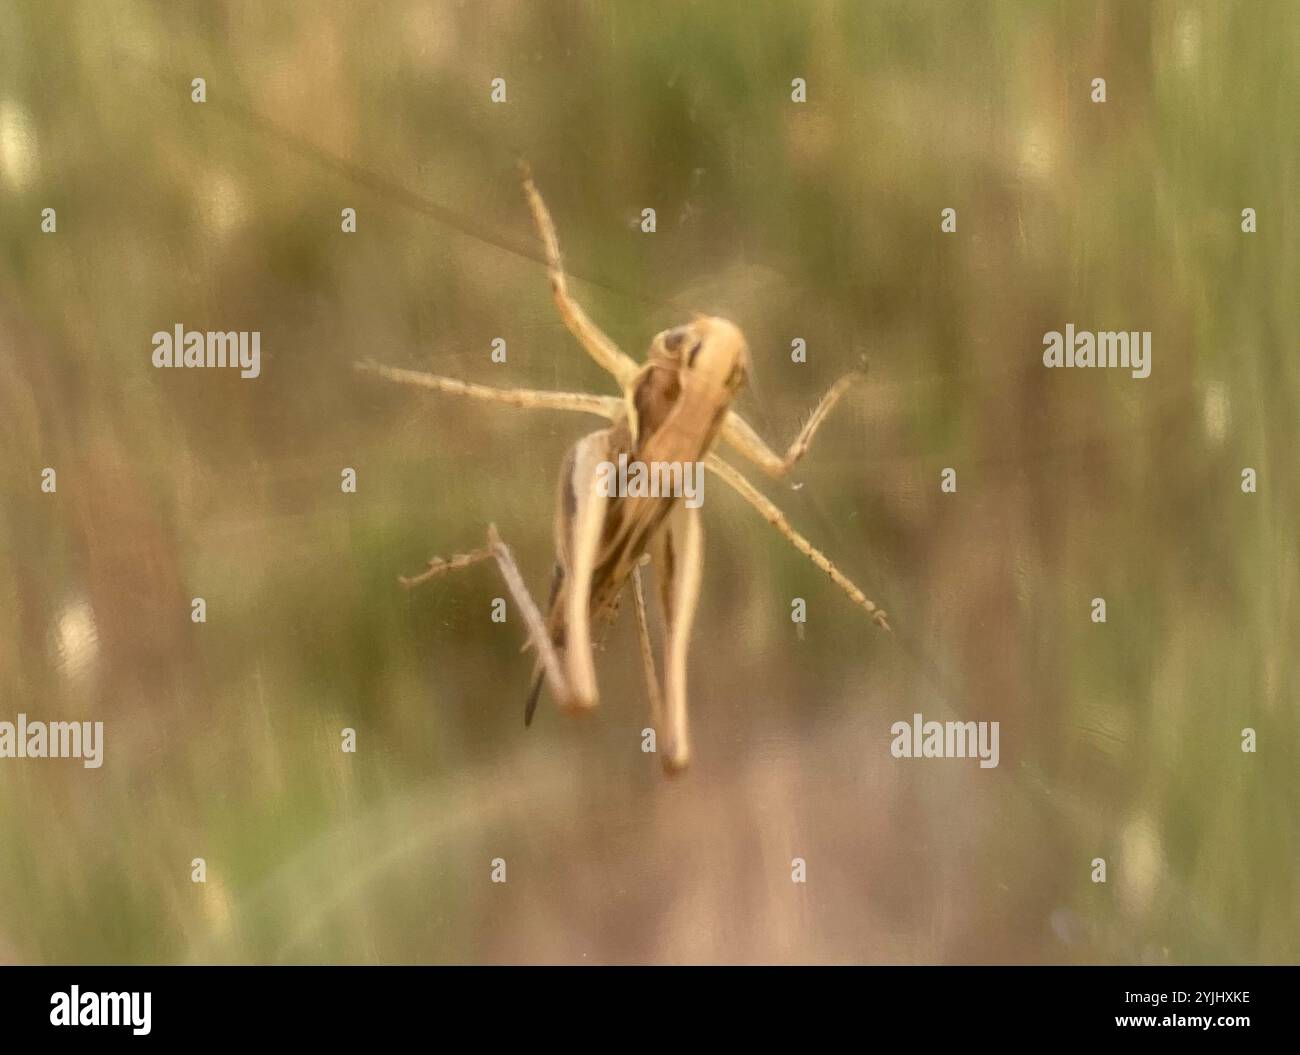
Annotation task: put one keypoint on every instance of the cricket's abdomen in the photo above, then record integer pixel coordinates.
(671, 424)
(675, 425)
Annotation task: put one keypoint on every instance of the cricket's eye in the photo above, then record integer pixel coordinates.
(673, 339)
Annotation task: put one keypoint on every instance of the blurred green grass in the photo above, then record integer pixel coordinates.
(818, 221)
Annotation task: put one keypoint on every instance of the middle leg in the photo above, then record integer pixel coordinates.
(608, 407)
(740, 435)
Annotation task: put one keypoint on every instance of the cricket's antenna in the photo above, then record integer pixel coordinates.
(383, 186)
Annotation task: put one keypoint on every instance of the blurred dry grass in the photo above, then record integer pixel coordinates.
(818, 221)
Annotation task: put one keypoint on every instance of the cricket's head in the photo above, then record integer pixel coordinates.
(710, 354)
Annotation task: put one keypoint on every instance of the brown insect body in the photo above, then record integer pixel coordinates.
(674, 409)
(679, 401)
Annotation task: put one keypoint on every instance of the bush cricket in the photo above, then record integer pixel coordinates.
(674, 409)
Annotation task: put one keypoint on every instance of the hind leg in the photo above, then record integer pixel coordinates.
(679, 565)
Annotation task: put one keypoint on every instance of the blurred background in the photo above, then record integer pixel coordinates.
(817, 220)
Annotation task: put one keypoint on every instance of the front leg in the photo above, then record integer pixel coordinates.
(741, 435)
